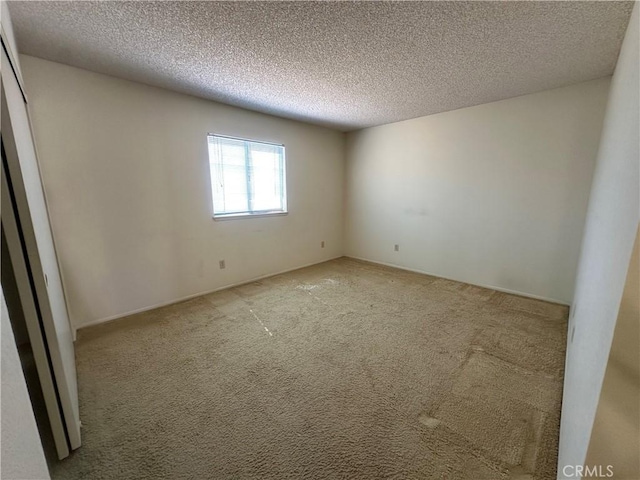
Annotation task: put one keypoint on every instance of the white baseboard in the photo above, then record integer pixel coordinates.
(244, 282)
(189, 297)
(491, 287)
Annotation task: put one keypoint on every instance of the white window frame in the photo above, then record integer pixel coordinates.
(256, 213)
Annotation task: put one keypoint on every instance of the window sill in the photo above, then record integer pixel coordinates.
(238, 216)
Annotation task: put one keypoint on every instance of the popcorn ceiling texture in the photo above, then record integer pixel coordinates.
(346, 65)
(369, 372)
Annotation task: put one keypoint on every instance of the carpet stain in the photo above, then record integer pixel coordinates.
(341, 370)
(428, 421)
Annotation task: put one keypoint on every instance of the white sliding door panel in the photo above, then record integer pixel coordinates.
(33, 218)
(38, 346)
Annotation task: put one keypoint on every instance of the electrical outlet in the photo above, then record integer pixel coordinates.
(222, 265)
(322, 244)
(396, 247)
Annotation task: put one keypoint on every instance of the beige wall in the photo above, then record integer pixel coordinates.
(615, 438)
(493, 195)
(610, 229)
(126, 173)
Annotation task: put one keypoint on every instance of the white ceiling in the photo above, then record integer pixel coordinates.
(346, 65)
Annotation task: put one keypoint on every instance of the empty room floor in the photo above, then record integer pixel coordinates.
(341, 370)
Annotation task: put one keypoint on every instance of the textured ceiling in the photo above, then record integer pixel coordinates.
(345, 65)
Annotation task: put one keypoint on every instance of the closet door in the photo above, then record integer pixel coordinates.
(37, 242)
(14, 254)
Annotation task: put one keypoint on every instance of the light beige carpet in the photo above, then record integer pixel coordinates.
(341, 370)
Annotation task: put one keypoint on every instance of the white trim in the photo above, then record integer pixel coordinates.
(221, 217)
(262, 277)
(7, 35)
(242, 139)
(189, 297)
(491, 287)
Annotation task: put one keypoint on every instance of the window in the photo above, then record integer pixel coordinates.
(247, 177)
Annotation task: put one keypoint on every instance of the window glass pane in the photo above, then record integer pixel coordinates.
(266, 178)
(228, 176)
